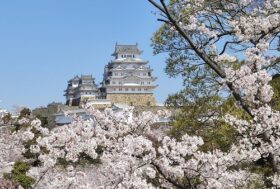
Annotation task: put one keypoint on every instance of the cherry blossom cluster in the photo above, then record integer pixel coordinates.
(133, 155)
(11, 149)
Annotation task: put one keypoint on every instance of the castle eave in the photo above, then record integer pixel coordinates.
(137, 86)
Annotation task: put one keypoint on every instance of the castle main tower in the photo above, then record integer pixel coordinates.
(127, 79)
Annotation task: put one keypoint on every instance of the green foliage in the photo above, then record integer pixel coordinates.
(7, 118)
(84, 159)
(275, 83)
(18, 175)
(203, 117)
(18, 127)
(44, 120)
(25, 112)
(187, 183)
(27, 145)
(263, 169)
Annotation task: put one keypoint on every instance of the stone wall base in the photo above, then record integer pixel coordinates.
(133, 99)
(79, 101)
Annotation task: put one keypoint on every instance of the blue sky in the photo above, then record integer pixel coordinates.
(45, 43)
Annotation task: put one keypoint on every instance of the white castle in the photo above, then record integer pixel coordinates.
(127, 80)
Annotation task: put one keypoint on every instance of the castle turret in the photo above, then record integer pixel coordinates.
(80, 89)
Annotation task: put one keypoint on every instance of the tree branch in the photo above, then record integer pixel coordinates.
(174, 183)
(201, 54)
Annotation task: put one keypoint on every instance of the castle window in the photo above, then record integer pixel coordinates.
(139, 89)
(120, 89)
(126, 89)
(114, 82)
(149, 82)
(120, 82)
(133, 89)
(133, 56)
(144, 74)
(116, 74)
(142, 82)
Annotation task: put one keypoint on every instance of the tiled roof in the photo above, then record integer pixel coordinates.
(126, 48)
(87, 77)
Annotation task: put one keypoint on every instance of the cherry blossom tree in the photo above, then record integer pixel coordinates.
(133, 155)
(215, 34)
